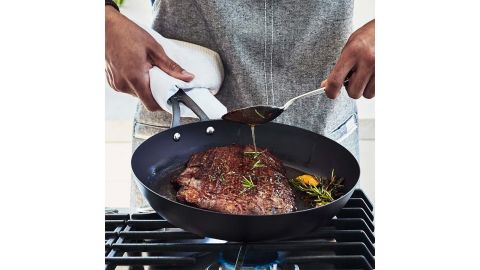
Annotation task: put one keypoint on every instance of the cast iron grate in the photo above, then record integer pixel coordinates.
(139, 240)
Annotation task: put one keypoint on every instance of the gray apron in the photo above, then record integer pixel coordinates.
(272, 50)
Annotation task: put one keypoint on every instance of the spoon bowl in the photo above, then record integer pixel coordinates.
(254, 115)
(262, 114)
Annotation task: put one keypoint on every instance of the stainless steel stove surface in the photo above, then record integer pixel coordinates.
(146, 241)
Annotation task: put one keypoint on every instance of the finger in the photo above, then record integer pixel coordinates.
(121, 85)
(358, 81)
(161, 60)
(370, 88)
(335, 80)
(141, 86)
(109, 78)
(323, 83)
(132, 93)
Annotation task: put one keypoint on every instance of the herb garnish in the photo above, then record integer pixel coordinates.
(324, 192)
(253, 154)
(259, 114)
(247, 184)
(258, 164)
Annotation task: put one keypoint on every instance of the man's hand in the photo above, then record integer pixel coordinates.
(130, 52)
(357, 61)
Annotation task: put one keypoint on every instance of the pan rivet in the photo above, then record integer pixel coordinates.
(210, 130)
(176, 137)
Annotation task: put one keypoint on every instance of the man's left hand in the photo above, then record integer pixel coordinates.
(357, 63)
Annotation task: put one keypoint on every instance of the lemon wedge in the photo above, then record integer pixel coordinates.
(308, 180)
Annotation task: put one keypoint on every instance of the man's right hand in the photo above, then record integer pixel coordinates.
(130, 52)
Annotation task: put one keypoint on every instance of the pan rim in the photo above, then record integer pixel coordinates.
(357, 165)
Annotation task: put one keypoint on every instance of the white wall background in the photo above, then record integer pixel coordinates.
(120, 108)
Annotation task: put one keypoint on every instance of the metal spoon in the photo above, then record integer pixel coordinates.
(262, 114)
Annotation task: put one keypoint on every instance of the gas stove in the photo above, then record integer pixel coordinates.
(147, 241)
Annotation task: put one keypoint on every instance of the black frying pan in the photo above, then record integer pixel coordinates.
(160, 158)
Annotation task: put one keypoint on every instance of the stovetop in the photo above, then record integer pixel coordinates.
(147, 241)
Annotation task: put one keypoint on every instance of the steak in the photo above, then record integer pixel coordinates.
(216, 179)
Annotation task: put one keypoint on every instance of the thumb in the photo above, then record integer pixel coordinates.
(161, 60)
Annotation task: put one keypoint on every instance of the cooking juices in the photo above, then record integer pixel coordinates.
(252, 128)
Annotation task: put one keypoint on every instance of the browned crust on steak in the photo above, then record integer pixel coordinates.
(213, 180)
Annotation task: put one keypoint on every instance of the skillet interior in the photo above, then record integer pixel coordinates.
(157, 159)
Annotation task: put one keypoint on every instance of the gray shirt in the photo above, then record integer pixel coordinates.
(272, 50)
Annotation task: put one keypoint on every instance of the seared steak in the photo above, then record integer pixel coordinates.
(215, 179)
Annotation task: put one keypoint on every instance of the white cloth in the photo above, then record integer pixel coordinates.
(204, 63)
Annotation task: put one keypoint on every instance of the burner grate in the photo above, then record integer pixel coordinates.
(138, 240)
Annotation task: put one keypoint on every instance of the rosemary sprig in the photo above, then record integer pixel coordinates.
(333, 183)
(222, 179)
(324, 192)
(247, 184)
(319, 195)
(258, 164)
(252, 154)
(259, 114)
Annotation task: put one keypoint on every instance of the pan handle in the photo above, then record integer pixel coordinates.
(182, 97)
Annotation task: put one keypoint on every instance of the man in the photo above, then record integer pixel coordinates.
(272, 50)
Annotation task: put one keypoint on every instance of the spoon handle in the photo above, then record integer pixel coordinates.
(311, 93)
